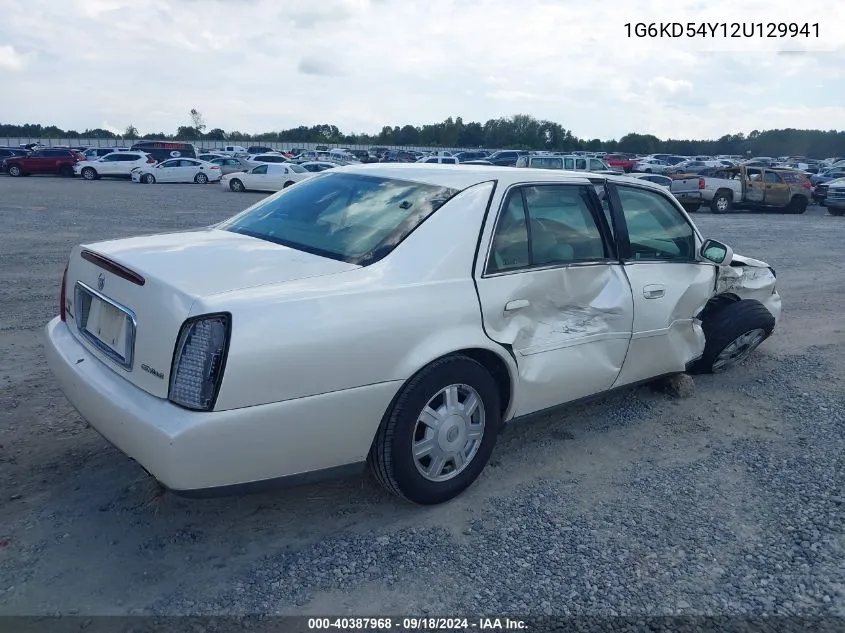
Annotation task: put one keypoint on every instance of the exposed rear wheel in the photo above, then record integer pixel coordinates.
(439, 433)
(721, 203)
(732, 334)
(797, 205)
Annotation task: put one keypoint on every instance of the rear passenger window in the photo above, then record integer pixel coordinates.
(562, 226)
(509, 250)
(656, 229)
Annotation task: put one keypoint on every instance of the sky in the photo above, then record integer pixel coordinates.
(267, 65)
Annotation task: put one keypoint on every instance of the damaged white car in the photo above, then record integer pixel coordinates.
(393, 314)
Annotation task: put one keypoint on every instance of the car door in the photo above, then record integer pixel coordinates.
(186, 170)
(108, 164)
(256, 178)
(167, 171)
(552, 292)
(776, 192)
(659, 247)
(755, 189)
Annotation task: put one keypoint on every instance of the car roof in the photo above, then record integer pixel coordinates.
(462, 176)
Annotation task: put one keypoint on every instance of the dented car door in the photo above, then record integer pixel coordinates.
(552, 291)
(670, 286)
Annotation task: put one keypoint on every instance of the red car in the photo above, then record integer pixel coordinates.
(44, 161)
(620, 161)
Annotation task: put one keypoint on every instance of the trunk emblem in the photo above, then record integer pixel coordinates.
(101, 281)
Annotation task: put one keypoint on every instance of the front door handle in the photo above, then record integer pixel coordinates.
(517, 304)
(654, 291)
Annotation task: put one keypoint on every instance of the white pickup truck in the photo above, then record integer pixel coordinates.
(756, 188)
(234, 150)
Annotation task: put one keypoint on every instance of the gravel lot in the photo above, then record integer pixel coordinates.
(731, 501)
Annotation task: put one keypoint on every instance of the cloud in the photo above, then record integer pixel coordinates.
(11, 60)
(313, 65)
(362, 64)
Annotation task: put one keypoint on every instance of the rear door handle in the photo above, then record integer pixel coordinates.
(517, 304)
(654, 291)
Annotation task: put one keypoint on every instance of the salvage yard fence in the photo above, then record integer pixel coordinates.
(206, 144)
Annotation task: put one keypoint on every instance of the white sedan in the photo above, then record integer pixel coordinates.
(265, 178)
(178, 170)
(115, 164)
(392, 314)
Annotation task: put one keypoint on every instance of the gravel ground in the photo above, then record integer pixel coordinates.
(728, 502)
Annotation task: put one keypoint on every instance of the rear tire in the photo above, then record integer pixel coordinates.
(66, 171)
(236, 185)
(201, 179)
(89, 173)
(732, 333)
(837, 212)
(797, 205)
(721, 203)
(410, 442)
(287, 184)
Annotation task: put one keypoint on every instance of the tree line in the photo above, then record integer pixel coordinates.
(520, 131)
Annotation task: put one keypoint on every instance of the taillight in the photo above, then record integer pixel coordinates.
(151, 161)
(199, 360)
(807, 184)
(62, 295)
(701, 183)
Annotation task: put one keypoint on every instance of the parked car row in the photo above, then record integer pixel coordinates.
(719, 183)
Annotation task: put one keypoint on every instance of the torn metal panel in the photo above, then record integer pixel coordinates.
(569, 328)
(749, 278)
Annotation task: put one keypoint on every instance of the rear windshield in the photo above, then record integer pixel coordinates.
(347, 217)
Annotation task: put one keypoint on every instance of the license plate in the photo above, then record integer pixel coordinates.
(108, 324)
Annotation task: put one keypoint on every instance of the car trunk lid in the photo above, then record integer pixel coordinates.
(127, 299)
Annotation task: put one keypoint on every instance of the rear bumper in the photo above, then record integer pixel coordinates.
(220, 451)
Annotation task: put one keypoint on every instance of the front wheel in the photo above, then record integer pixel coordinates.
(89, 173)
(440, 432)
(201, 179)
(732, 333)
(148, 179)
(14, 170)
(236, 185)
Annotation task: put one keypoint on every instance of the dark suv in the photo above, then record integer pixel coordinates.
(44, 161)
(506, 157)
(9, 152)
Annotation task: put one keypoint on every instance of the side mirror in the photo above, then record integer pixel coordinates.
(716, 252)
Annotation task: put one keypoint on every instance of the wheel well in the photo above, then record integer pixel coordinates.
(728, 192)
(716, 303)
(493, 363)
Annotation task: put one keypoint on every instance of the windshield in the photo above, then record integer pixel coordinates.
(297, 169)
(348, 217)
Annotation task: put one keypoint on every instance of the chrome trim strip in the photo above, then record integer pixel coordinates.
(572, 342)
(125, 363)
